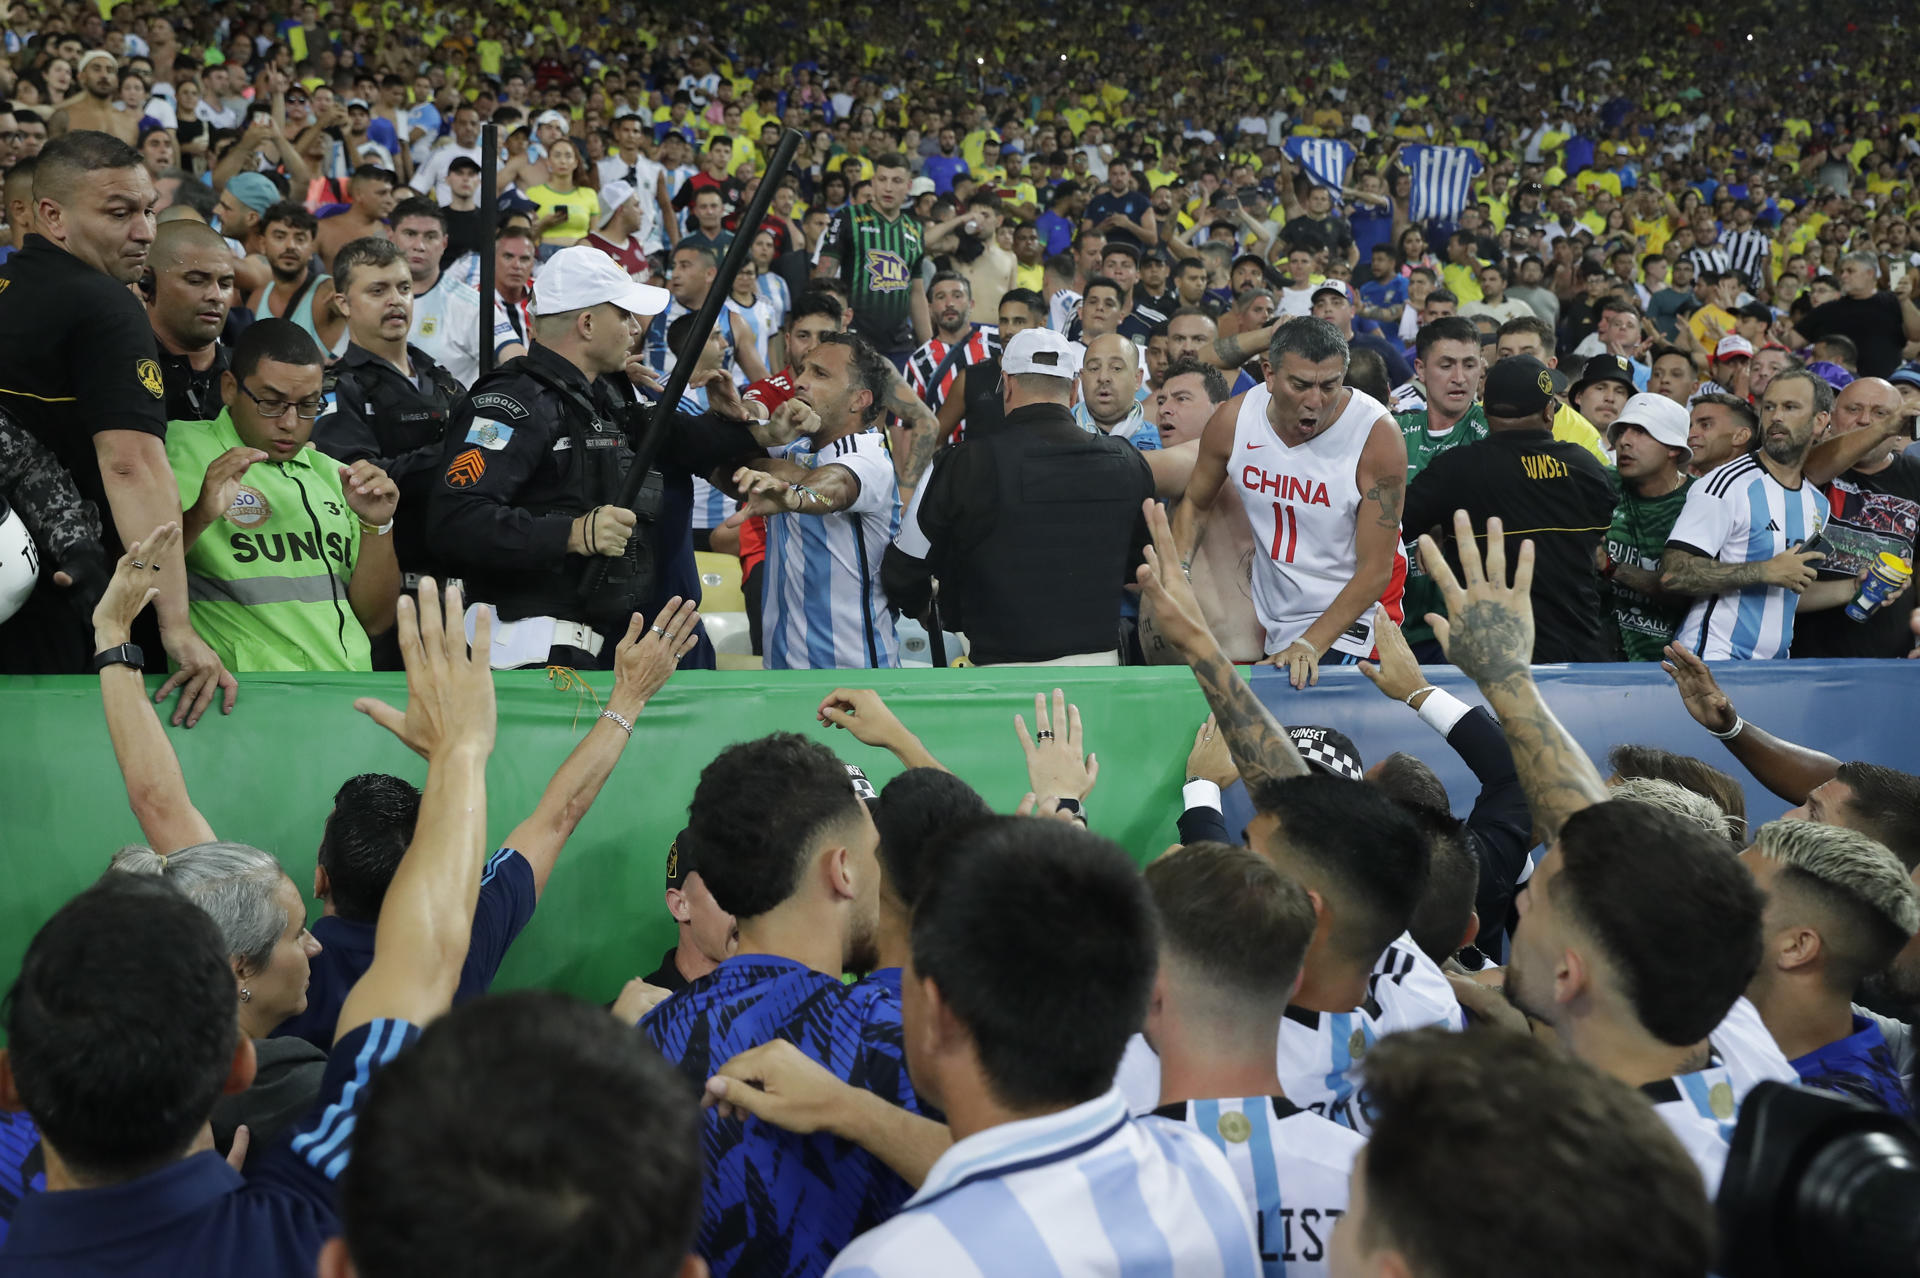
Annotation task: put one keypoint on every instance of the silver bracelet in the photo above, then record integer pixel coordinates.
(1408, 699)
(1739, 726)
(625, 723)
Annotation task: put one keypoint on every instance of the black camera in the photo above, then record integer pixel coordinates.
(1819, 1184)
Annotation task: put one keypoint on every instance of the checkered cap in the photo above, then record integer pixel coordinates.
(1329, 750)
(862, 787)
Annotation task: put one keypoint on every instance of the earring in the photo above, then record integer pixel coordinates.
(246, 995)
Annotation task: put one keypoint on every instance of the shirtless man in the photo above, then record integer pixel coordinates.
(98, 77)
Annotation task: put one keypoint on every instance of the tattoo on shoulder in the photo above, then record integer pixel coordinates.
(1387, 492)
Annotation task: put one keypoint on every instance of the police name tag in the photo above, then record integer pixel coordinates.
(489, 434)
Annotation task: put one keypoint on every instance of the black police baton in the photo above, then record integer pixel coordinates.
(489, 219)
(649, 444)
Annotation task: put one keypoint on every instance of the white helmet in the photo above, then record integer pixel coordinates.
(19, 561)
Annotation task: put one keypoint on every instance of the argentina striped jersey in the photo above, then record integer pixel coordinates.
(1088, 1191)
(1442, 180)
(1320, 1053)
(1292, 1167)
(1740, 514)
(824, 606)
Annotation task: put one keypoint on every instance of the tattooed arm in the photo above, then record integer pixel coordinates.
(1488, 633)
(1232, 352)
(1261, 749)
(1684, 573)
(920, 427)
(1382, 477)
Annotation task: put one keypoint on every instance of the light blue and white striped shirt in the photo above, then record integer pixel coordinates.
(1442, 179)
(1326, 160)
(1320, 1053)
(1088, 1191)
(824, 605)
(1293, 1167)
(1740, 514)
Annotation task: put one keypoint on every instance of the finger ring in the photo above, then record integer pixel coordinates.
(138, 564)
(1045, 735)
(656, 630)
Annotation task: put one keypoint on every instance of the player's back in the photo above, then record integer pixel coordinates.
(1292, 1165)
(777, 1203)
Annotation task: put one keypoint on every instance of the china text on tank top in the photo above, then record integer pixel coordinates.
(1304, 506)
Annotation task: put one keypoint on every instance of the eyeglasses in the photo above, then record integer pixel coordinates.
(274, 409)
(293, 101)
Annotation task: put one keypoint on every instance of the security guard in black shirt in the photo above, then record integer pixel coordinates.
(188, 286)
(1033, 526)
(79, 370)
(388, 402)
(536, 458)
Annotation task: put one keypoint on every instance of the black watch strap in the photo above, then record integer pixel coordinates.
(127, 654)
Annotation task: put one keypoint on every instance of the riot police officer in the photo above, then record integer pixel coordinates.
(388, 401)
(535, 463)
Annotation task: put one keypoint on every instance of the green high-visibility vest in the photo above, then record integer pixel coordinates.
(267, 583)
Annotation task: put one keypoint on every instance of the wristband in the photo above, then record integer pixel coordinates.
(625, 723)
(808, 494)
(1739, 726)
(368, 530)
(1071, 807)
(1442, 710)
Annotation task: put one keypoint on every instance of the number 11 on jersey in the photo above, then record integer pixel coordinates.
(1286, 533)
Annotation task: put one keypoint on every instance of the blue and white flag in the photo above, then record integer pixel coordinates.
(1442, 180)
(1324, 159)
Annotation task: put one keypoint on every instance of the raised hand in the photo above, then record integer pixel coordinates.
(1210, 760)
(1056, 765)
(1165, 589)
(369, 492)
(222, 483)
(450, 704)
(1397, 674)
(647, 657)
(133, 586)
(1699, 693)
(1488, 629)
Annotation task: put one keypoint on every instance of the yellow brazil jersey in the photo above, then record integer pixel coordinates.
(1571, 427)
(1463, 281)
(1592, 178)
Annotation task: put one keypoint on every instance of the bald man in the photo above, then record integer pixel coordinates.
(1110, 375)
(1876, 510)
(188, 290)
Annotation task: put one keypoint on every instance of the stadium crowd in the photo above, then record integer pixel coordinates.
(1182, 335)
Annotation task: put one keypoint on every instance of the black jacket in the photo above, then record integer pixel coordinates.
(508, 487)
(1033, 529)
(377, 413)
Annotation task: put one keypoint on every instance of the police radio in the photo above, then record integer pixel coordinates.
(649, 438)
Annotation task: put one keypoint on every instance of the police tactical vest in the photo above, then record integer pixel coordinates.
(602, 458)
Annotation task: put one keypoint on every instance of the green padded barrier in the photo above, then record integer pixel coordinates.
(267, 775)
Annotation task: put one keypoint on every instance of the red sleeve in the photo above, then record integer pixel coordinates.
(753, 543)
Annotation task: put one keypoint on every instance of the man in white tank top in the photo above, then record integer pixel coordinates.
(1320, 469)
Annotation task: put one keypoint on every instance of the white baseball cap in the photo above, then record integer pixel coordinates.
(612, 196)
(1733, 346)
(582, 276)
(550, 117)
(1657, 415)
(1033, 350)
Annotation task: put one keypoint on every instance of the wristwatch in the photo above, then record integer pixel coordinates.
(127, 654)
